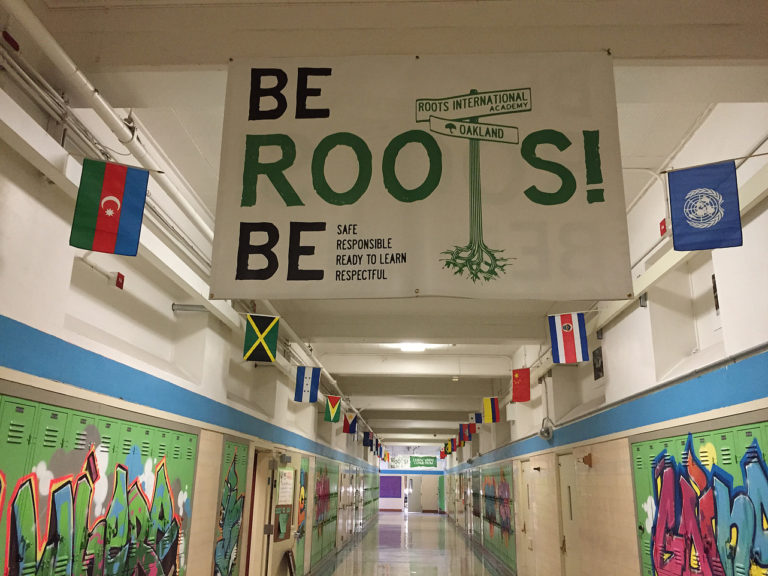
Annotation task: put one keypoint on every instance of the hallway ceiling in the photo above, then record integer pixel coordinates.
(166, 60)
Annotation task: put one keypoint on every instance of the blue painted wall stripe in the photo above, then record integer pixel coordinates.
(732, 384)
(29, 350)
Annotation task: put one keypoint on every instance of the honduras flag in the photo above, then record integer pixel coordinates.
(704, 202)
(307, 384)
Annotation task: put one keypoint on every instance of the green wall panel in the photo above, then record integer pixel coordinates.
(118, 504)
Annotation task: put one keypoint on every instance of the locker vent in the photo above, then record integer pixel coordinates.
(146, 448)
(50, 437)
(106, 443)
(162, 450)
(177, 452)
(15, 433)
(190, 453)
(127, 445)
(726, 456)
(705, 459)
(81, 439)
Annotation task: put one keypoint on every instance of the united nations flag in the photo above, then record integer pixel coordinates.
(704, 203)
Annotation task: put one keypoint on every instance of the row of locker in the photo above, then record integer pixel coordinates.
(56, 442)
(724, 447)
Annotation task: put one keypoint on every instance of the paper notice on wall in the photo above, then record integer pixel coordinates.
(285, 478)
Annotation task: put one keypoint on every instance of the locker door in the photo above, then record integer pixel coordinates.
(109, 433)
(76, 435)
(704, 446)
(727, 454)
(51, 428)
(17, 419)
(162, 446)
(744, 436)
(642, 458)
(134, 448)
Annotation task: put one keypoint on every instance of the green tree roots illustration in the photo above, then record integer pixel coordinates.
(476, 260)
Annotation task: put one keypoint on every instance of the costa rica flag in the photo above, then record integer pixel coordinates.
(568, 334)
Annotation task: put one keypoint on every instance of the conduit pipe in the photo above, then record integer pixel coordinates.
(284, 326)
(77, 82)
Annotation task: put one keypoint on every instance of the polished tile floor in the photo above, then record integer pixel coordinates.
(399, 544)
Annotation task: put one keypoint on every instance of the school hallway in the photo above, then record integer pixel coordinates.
(400, 543)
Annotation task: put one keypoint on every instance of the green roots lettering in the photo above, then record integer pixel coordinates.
(476, 260)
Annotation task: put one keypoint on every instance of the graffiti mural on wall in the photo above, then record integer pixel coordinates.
(704, 524)
(497, 504)
(230, 520)
(323, 498)
(137, 535)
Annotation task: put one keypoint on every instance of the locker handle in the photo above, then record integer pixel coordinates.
(562, 546)
(640, 528)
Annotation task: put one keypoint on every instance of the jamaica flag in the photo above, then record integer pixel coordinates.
(260, 338)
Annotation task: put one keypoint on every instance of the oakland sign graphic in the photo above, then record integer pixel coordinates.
(329, 188)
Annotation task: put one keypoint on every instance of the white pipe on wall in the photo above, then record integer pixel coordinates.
(77, 82)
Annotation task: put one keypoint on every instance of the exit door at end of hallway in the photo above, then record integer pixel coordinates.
(413, 493)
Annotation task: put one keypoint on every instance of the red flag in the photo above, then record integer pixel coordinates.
(442, 454)
(521, 385)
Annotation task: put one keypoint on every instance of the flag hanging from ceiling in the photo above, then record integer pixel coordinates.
(491, 409)
(472, 429)
(568, 334)
(381, 451)
(453, 444)
(260, 338)
(521, 385)
(466, 435)
(109, 208)
(332, 405)
(442, 454)
(448, 448)
(475, 417)
(350, 422)
(307, 384)
(368, 439)
(704, 205)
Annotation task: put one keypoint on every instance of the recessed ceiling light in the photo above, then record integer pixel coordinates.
(455, 378)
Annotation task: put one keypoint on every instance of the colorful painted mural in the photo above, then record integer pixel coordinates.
(703, 510)
(91, 496)
(301, 516)
(230, 518)
(326, 507)
(498, 535)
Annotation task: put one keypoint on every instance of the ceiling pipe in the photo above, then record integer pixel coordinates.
(284, 326)
(77, 82)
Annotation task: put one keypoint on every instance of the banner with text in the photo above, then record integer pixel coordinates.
(367, 177)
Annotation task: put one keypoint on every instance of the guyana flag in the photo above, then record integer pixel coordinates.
(332, 412)
(260, 338)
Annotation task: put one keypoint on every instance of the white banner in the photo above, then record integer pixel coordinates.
(475, 176)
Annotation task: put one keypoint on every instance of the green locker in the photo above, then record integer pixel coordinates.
(109, 432)
(76, 435)
(745, 435)
(51, 428)
(643, 455)
(17, 418)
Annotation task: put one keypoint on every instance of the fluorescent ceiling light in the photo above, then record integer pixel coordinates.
(412, 347)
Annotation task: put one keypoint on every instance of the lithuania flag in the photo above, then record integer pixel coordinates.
(109, 208)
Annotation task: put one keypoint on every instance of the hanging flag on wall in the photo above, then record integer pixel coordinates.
(472, 429)
(368, 439)
(350, 422)
(453, 444)
(260, 338)
(568, 334)
(704, 204)
(442, 454)
(521, 385)
(448, 448)
(491, 409)
(109, 208)
(307, 384)
(332, 412)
